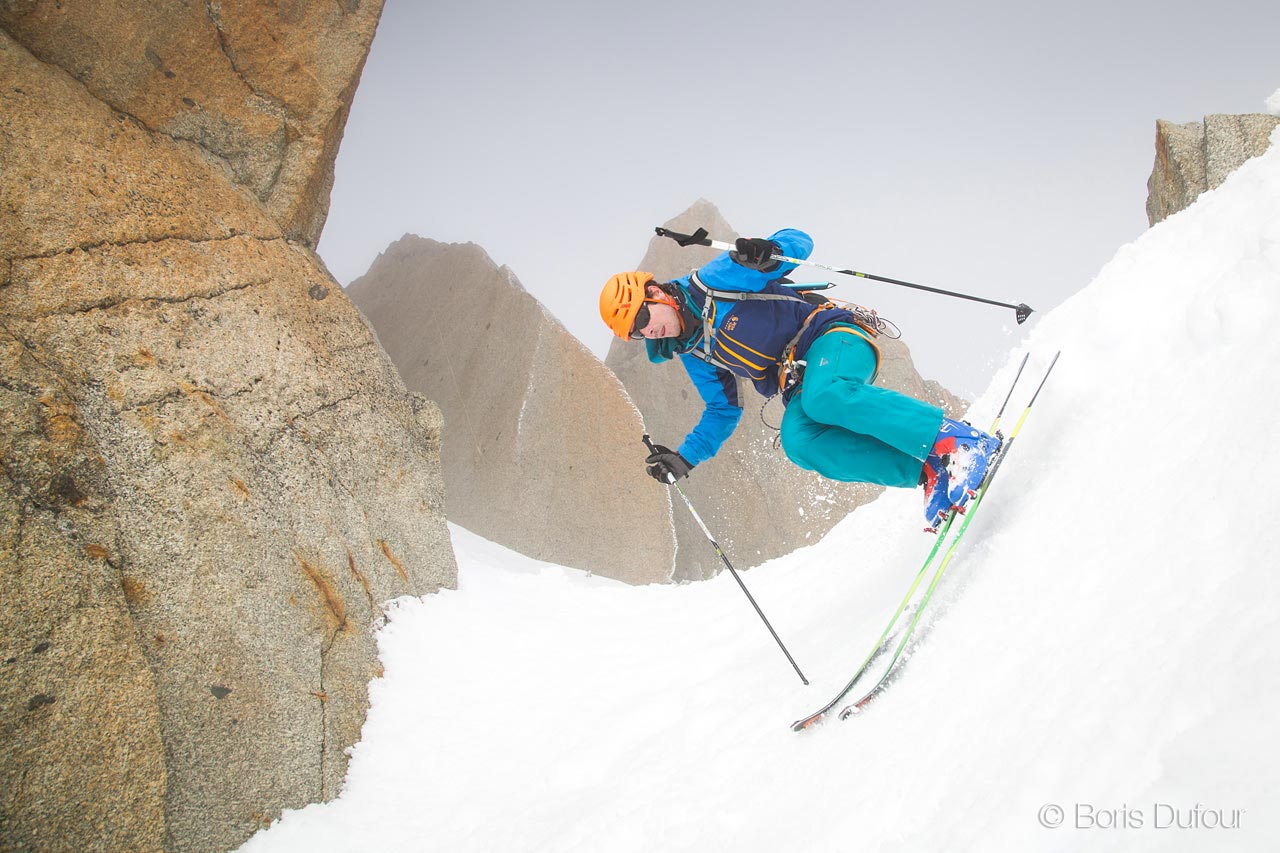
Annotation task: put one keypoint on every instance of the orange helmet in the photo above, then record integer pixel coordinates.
(621, 299)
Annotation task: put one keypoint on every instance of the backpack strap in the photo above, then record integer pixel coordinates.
(739, 295)
(711, 294)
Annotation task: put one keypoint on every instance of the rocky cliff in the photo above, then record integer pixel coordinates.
(542, 449)
(262, 90)
(758, 504)
(1195, 157)
(212, 476)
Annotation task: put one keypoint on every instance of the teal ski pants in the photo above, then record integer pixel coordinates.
(841, 426)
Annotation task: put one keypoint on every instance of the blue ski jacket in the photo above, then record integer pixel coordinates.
(748, 337)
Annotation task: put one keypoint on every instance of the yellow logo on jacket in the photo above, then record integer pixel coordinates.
(730, 323)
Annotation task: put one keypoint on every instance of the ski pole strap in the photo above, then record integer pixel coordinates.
(697, 238)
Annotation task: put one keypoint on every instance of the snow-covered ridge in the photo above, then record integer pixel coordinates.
(1108, 645)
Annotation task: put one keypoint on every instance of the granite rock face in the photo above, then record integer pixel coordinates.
(543, 447)
(758, 504)
(262, 89)
(212, 476)
(1196, 157)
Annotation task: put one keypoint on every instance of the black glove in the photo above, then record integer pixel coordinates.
(754, 253)
(663, 461)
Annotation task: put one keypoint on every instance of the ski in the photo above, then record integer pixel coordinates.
(866, 698)
(858, 705)
(899, 632)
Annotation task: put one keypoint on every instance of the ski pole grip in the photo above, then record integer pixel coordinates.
(697, 238)
(671, 479)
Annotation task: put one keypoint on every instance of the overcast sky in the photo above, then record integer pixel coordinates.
(996, 147)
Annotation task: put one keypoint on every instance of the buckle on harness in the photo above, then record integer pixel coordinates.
(790, 372)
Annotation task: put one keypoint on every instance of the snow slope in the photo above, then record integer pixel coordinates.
(1109, 640)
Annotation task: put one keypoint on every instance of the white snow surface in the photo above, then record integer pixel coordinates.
(1273, 103)
(1107, 641)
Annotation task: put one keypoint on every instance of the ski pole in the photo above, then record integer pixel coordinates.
(699, 238)
(671, 480)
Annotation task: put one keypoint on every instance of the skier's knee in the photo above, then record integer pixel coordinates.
(798, 457)
(796, 448)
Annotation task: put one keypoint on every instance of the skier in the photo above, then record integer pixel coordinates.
(736, 317)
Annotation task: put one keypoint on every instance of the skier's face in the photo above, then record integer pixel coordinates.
(664, 320)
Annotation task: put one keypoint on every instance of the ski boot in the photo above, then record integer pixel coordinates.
(969, 452)
(937, 494)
